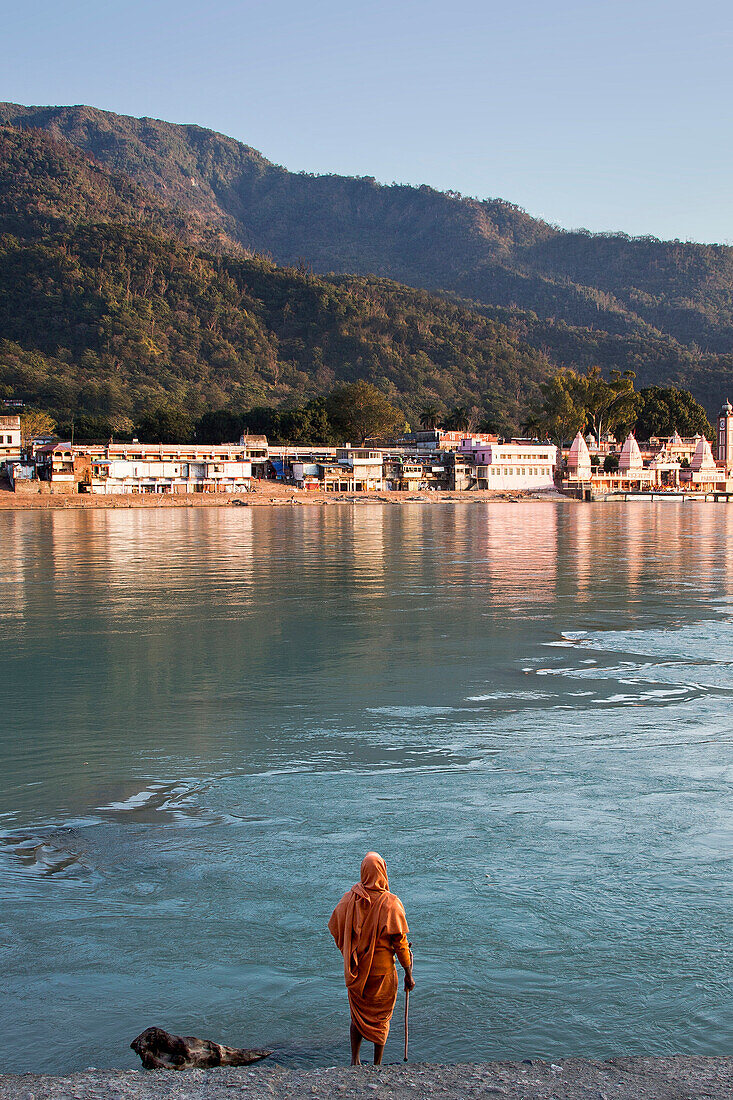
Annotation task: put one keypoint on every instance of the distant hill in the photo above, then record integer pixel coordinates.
(112, 301)
(489, 251)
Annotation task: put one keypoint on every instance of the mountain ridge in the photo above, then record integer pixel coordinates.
(110, 303)
(488, 250)
(112, 159)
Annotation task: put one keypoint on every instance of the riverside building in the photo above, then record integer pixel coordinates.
(9, 439)
(146, 468)
(521, 464)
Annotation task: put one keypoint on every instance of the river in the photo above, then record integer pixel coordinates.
(208, 716)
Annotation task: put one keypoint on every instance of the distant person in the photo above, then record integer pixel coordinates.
(370, 927)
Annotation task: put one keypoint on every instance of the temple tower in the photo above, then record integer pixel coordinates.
(579, 460)
(725, 435)
(702, 460)
(630, 460)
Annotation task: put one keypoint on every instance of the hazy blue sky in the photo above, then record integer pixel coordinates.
(610, 115)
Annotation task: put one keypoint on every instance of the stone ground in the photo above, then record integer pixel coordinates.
(634, 1078)
(264, 492)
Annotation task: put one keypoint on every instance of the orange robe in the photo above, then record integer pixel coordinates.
(370, 927)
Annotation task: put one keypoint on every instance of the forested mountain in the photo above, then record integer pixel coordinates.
(132, 269)
(109, 304)
(488, 251)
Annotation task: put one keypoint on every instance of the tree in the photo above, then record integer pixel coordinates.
(666, 409)
(34, 424)
(165, 424)
(359, 410)
(563, 413)
(430, 416)
(220, 426)
(459, 419)
(612, 405)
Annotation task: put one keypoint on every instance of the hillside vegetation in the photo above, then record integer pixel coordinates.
(488, 251)
(109, 304)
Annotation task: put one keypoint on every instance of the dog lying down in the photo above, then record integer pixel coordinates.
(159, 1050)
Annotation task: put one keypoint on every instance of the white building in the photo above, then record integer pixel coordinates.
(579, 464)
(522, 465)
(160, 468)
(9, 439)
(705, 471)
(363, 468)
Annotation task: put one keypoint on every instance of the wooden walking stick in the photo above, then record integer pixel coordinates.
(407, 1006)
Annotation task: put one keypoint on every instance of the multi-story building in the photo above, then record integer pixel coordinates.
(173, 468)
(524, 464)
(363, 467)
(724, 439)
(9, 439)
(148, 467)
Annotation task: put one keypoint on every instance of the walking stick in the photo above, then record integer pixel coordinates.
(407, 1006)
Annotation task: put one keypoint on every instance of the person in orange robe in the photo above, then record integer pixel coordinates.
(370, 927)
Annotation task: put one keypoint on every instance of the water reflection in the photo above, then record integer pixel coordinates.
(526, 706)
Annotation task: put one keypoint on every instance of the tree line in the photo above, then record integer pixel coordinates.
(357, 411)
(587, 402)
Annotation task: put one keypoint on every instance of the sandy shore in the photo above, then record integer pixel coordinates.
(266, 493)
(674, 1078)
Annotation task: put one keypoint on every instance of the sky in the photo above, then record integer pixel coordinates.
(612, 116)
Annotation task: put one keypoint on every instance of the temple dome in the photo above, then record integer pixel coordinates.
(702, 460)
(579, 457)
(630, 457)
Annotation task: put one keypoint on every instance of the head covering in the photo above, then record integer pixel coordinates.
(373, 876)
(367, 910)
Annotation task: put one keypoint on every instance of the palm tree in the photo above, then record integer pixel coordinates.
(430, 416)
(460, 419)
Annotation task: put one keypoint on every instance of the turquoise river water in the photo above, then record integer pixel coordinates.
(207, 716)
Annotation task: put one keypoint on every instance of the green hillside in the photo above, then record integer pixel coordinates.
(487, 251)
(107, 307)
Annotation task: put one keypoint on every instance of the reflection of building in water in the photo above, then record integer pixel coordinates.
(580, 551)
(18, 566)
(511, 556)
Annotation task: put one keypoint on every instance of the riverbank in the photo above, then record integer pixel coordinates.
(264, 493)
(679, 1077)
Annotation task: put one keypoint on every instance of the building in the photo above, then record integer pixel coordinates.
(704, 472)
(403, 473)
(169, 468)
(55, 464)
(578, 462)
(632, 472)
(724, 440)
(144, 468)
(512, 466)
(9, 439)
(666, 468)
(362, 467)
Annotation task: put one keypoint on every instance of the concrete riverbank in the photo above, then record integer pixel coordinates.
(633, 1078)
